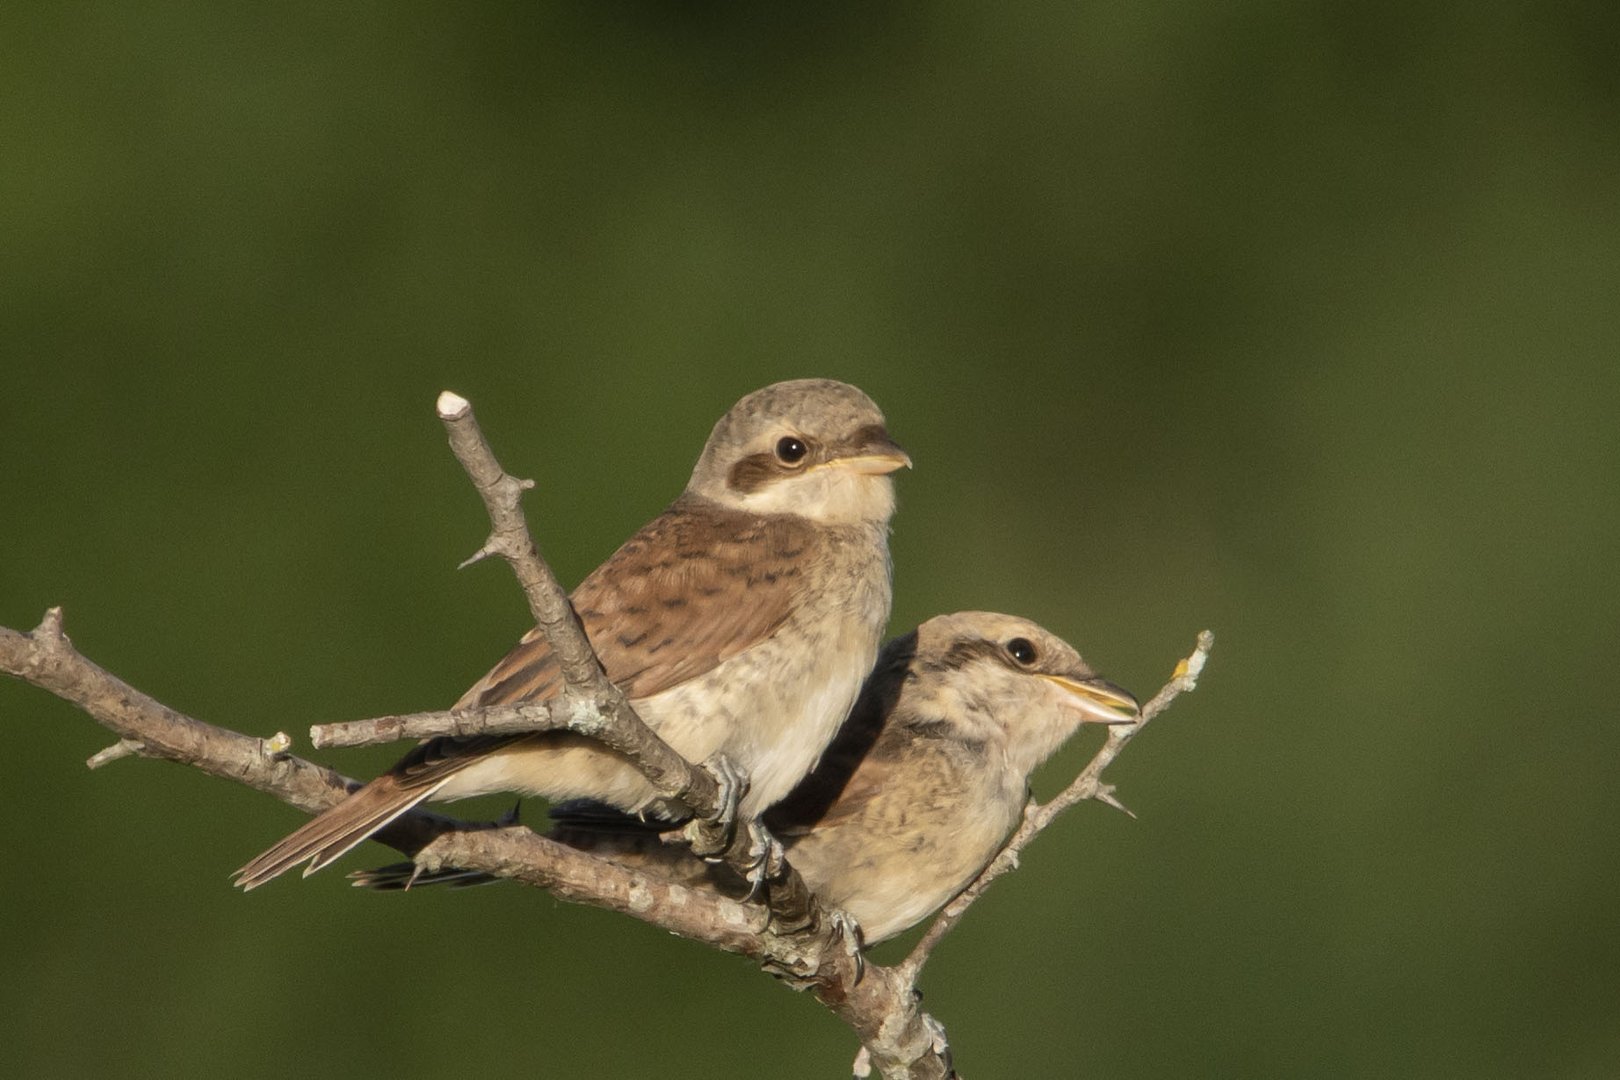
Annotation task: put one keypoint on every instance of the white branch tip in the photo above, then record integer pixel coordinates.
(452, 406)
(51, 625)
(1188, 670)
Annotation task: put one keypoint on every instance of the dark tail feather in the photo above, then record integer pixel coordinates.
(330, 835)
(589, 815)
(580, 823)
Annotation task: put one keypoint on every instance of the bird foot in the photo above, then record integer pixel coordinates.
(766, 859)
(711, 837)
(849, 931)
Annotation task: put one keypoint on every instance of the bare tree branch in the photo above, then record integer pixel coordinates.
(809, 955)
(789, 935)
(492, 720)
(48, 659)
(119, 750)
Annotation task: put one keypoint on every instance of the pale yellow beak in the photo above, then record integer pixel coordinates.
(877, 457)
(874, 464)
(1097, 700)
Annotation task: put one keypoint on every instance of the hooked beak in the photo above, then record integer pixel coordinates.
(877, 456)
(1097, 700)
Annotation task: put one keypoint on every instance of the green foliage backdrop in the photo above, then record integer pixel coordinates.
(1296, 321)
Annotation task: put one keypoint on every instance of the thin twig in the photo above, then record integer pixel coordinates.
(490, 720)
(47, 659)
(591, 703)
(119, 750)
(1087, 785)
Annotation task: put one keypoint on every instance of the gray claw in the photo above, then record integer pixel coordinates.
(766, 859)
(845, 926)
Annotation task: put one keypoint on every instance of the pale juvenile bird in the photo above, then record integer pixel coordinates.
(740, 622)
(921, 788)
(931, 772)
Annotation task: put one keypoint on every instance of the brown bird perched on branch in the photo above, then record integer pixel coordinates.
(919, 791)
(740, 622)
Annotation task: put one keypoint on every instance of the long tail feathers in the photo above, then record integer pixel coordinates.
(330, 835)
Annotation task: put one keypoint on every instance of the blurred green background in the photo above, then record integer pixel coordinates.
(1295, 321)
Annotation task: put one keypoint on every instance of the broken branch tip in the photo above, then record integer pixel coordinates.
(452, 406)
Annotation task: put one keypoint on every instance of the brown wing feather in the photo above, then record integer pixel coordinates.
(694, 587)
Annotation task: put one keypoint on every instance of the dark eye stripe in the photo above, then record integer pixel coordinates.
(753, 472)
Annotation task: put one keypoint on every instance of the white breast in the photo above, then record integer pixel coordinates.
(774, 708)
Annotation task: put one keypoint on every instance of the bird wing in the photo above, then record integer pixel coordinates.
(694, 587)
(697, 585)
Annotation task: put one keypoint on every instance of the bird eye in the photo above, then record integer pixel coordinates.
(1021, 650)
(790, 451)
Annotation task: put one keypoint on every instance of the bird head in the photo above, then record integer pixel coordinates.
(817, 448)
(1012, 682)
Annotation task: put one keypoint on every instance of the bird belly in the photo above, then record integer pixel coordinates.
(771, 710)
(911, 846)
